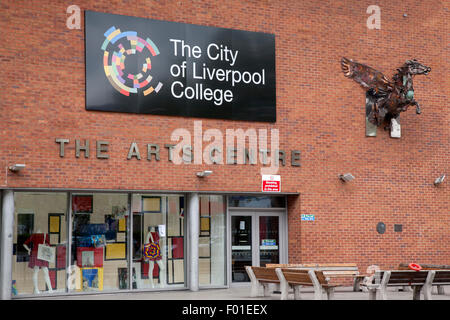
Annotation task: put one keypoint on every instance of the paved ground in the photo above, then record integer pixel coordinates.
(240, 293)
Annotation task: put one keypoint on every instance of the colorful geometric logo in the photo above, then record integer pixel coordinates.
(114, 62)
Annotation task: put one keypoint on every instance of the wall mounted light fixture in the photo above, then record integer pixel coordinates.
(346, 177)
(16, 167)
(203, 174)
(439, 180)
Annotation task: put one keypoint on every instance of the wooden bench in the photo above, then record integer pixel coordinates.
(419, 280)
(283, 265)
(405, 266)
(440, 288)
(441, 278)
(261, 276)
(330, 270)
(296, 278)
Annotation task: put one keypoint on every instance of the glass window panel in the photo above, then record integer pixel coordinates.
(205, 226)
(25, 228)
(175, 216)
(137, 236)
(241, 247)
(212, 240)
(39, 218)
(99, 248)
(99, 254)
(158, 240)
(175, 272)
(204, 205)
(269, 246)
(151, 204)
(204, 247)
(204, 270)
(257, 201)
(178, 271)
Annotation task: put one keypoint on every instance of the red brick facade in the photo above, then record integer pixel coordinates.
(319, 112)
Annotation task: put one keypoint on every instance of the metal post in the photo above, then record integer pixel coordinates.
(194, 221)
(6, 244)
(129, 243)
(68, 241)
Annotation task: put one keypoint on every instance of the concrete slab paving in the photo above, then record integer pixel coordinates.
(238, 293)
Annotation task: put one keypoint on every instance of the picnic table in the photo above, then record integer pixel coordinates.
(422, 280)
(330, 270)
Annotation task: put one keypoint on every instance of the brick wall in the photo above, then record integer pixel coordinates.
(319, 112)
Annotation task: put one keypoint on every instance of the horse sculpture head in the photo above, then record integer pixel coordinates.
(415, 67)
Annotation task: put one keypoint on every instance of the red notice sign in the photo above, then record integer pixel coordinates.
(271, 183)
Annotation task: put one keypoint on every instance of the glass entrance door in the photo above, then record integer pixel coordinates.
(255, 241)
(269, 240)
(241, 247)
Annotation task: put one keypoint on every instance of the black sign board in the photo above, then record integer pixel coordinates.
(157, 67)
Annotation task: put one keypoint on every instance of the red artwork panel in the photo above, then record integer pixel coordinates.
(82, 204)
(177, 248)
(98, 257)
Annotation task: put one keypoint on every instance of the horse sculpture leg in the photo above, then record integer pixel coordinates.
(414, 102)
(371, 121)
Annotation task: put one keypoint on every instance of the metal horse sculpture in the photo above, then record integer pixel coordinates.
(385, 99)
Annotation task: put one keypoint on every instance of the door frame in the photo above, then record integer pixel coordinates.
(255, 213)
